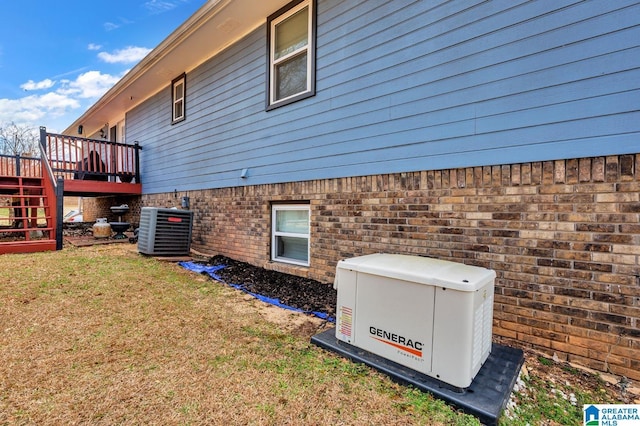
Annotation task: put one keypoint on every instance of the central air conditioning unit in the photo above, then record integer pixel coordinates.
(430, 315)
(165, 232)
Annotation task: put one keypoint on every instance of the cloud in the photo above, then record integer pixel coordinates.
(32, 85)
(128, 55)
(160, 6)
(31, 109)
(91, 84)
(72, 94)
(110, 26)
(93, 46)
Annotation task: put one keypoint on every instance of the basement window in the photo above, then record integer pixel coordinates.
(178, 98)
(290, 233)
(291, 46)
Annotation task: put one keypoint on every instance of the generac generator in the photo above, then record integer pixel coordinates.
(429, 315)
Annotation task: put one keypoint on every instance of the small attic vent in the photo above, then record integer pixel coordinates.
(165, 232)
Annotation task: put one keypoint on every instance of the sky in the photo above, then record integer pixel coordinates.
(57, 57)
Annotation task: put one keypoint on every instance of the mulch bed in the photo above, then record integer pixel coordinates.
(291, 290)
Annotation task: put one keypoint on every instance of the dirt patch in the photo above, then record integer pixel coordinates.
(296, 323)
(560, 373)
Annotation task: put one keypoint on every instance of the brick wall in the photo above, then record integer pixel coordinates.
(562, 236)
(94, 208)
(89, 209)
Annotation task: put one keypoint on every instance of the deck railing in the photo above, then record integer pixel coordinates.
(73, 157)
(20, 165)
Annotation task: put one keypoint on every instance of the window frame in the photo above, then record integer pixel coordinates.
(272, 21)
(275, 233)
(182, 78)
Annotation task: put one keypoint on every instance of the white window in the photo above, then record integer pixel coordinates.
(290, 233)
(291, 41)
(178, 96)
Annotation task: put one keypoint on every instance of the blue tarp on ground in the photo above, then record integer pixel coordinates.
(211, 271)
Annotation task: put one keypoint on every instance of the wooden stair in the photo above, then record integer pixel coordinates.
(32, 188)
(27, 215)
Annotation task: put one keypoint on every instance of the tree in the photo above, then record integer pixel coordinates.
(17, 139)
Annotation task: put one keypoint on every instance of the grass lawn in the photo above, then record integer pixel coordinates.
(103, 335)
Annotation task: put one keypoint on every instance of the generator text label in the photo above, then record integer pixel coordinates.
(397, 341)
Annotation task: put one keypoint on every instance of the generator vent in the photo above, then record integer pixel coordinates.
(165, 232)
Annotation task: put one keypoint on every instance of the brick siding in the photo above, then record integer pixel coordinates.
(562, 236)
(94, 208)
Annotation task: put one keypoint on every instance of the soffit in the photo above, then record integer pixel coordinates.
(215, 26)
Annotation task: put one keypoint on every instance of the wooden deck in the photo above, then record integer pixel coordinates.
(91, 188)
(31, 188)
(91, 167)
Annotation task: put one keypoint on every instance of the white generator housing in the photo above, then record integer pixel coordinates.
(430, 315)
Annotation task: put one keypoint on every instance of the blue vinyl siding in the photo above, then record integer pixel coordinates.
(406, 86)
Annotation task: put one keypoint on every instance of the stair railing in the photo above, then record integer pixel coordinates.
(55, 192)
